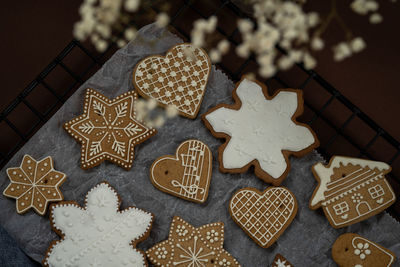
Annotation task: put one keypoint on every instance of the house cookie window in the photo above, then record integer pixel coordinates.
(341, 208)
(376, 191)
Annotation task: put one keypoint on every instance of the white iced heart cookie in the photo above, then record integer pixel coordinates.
(100, 234)
(179, 78)
(260, 130)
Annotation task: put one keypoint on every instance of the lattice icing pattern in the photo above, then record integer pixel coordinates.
(178, 79)
(264, 216)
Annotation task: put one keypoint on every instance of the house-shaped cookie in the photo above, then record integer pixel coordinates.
(351, 190)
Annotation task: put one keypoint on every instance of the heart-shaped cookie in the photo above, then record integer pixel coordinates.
(187, 174)
(263, 216)
(179, 78)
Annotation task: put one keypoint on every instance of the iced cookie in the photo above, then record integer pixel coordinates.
(99, 234)
(187, 174)
(260, 130)
(280, 261)
(34, 184)
(352, 250)
(264, 216)
(190, 246)
(351, 190)
(179, 78)
(108, 129)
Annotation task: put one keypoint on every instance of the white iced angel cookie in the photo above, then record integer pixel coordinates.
(100, 234)
(179, 78)
(260, 130)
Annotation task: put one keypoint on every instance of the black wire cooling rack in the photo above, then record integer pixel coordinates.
(332, 133)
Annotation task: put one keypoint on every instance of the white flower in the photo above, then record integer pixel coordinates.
(309, 61)
(130, 33)
(121, 43)
(245, 25)
(341, 51)
(285, 62)
(132, 5)
(312, 19)
(101, 45)
(151, 104)
(317, 43)
(171, 111)
(162, 19)
(362, 250)
(243, 50)
(197, 38)
(362, 7)
(223, 46)
(159, 121)
(215, 55)
(267, 71)
(357, 44)
(375, 18)
(212, 24)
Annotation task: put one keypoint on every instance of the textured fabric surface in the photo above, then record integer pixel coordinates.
(306, 242)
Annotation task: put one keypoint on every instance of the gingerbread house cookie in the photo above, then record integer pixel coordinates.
(351, 190)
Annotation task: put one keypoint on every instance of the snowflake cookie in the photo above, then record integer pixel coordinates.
(190, 246)
(280, 261)
(260, 130)
(108, 129)
(179, 78)
(99, 234)
(34, 184)
(352, 250)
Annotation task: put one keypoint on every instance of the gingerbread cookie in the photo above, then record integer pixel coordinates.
(190, 246)
(34, 184)
(108, 129)
(179, 78)
(280, 261)
(351, 190)
(186, 175)
(352, 250)
(99, 234)
(260, 130)
(264, 216)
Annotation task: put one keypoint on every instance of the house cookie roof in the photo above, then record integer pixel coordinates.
(324, 173)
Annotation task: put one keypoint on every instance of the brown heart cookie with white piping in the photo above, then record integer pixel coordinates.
(187, 174)
(264, 216)
(179, 78)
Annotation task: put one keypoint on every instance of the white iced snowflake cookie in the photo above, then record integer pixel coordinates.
(260, 130)
(100, 234)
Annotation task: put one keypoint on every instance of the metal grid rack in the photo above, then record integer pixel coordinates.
(316, 112)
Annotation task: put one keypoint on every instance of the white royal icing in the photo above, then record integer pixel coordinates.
(362, 249)
(260, 129)
(100, 235)
(324, 173)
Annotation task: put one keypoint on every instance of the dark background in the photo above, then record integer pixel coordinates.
(34, 33)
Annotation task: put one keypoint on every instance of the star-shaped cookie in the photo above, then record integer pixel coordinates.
(34, 184)
(108, 129)
(260, 130)
(190, 246)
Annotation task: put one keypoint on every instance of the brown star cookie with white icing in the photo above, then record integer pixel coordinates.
(34, 184)
(108, 129)
(190, 246)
